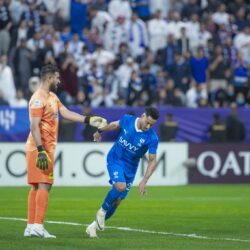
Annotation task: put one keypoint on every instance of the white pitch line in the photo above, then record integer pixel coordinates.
(194, 236)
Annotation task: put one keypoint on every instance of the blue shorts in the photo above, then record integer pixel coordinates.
(117, 174)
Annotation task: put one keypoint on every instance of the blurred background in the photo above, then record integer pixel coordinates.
(190, 58)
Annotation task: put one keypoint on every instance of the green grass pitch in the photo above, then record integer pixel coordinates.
(190, 217)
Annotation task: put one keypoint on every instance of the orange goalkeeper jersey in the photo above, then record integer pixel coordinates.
(45, 105)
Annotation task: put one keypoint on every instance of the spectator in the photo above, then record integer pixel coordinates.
(190, 8)
(111, 86)
(75, 46)
(7, 86)
(195, 94)
(5, 25)
(122, 55)
(157, 30)
(115, 34)
(165, 57)
(199, 66)
(141, 7)
(235, 128)
(217, 69)
(118, 8)
(181, 73)
(18, 101)
(124, 75)
(99, 22)
(217, 132)
(78, 14)
(221, 16)
(138, 37)
(183, 42)
(135, 89)
(3, 102)
(22, 64)
(168, 129)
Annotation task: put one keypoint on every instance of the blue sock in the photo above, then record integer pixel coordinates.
(112, 195)
(110, 212)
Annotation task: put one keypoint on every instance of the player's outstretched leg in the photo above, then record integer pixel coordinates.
(111, 197)
(113, 208)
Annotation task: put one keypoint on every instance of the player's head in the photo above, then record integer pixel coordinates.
(50, 75)
(149, 118)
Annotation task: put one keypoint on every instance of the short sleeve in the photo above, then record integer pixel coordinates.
(36, 107)
(124, 120)
(152, 149)
(59, 104)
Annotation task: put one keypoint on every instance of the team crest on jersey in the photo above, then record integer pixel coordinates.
(37, 103)
(141, 142)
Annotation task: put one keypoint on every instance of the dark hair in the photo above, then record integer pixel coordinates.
(48, 69)
(153, 112)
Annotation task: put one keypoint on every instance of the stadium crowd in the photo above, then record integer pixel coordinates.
(128, 53)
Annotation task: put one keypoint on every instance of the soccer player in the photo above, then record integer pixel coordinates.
(135, 139)
(44, 109)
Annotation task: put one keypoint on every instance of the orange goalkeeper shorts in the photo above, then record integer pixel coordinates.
(34, 174)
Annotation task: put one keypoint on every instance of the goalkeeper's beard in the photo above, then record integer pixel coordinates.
(53, 88)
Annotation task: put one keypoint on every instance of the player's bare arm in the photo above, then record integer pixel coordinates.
(70, 115)
(150, 169)
(109, 127)
(95, 121)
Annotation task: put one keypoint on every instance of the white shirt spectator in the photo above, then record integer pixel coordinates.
(18, 101)
(192, 95)
(116, 33)
(103, 57)
(163, 5)
(75, 46)
(157, 29)
(124, 72)
(118, 8)
(174, 28)
(35, 43)
(192, 28)
(83, 63)
(199, 39)
(137, 37)
(7, 86)
(58, 45)
(100, 22)
(242, 44)
(221, 18)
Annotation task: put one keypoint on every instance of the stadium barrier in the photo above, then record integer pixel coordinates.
(193, 123)
(84, 164)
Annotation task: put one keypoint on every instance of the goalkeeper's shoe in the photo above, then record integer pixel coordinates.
(91, 230)
(100, 219)
(27, 231)
(39, 231)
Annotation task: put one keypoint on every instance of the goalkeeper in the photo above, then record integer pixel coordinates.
(44, 109)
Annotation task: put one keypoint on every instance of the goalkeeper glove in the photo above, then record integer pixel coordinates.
(43, 160)
(95, 121)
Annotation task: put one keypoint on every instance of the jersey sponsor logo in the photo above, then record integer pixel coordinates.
(125, 131)
(128, 145)
(37, 104)
(116, 174)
